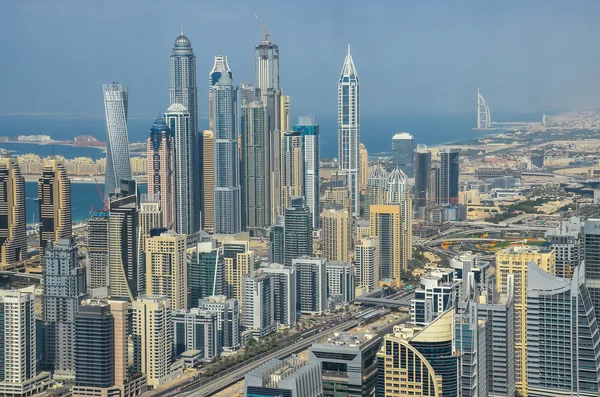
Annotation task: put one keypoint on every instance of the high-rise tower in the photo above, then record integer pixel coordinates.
(266, 69)
(220, 69)
(208, 185)
(160, 149)
(349, 129)
(183, 91)
(13, 237)
(449, 177)
(422, 180)
(227, 193)
(179, 121)
(54, 195)
(309, 131)
(118, 165)
(402, 148)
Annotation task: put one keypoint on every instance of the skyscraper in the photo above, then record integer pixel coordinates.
(227, 194)
(349, 129)
(208, 186)
(220, 69)
(118, 165)
(364, 166)
(166, 268)
(285, 117)
(311, 285)
(309, 131)
(337, 233)
(402, 149)
(160, 154)
(266, 71)
(292, 166)
(422, 180)
(19, 376)
(125, 273)
(591, 247)
(376, 185)
(195, 329)
(284, 293)
(179, 121)
(256, 185)
(13, 237)
(277, 241)
(561, 323)
(54, 195)
(97, 254)
(298, 230)
(258, 305)
(184, 91)
(340, 282)
(64, 288)
(239, 260)
(228, 320)
(205, 272)
(366, 258)
(449, 175)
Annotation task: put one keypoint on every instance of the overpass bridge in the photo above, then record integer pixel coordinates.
(377, 298)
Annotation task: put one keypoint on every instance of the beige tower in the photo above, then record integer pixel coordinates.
(366, 258)
(13, 236)
(363, 155)
(514, 260)
(239, 260)
(208, 215)
(285, 109)
(166, 268)
(337, 234)
(292, 167)
(54, 195)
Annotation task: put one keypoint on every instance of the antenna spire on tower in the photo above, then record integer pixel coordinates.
(348, 49)
(182, 29)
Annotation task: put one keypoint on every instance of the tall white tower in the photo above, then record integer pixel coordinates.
(484, 119)
(349, 129)
(118, 165)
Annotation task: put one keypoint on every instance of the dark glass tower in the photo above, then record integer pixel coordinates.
(449, 177)
(298, 230)
(422, 179)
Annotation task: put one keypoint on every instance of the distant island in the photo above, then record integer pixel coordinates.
(78, 141)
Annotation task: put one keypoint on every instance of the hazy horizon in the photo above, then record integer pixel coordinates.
(411, 58)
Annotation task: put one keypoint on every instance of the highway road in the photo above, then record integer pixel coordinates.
(202, 389)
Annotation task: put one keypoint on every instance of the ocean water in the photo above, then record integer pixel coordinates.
(376, 134)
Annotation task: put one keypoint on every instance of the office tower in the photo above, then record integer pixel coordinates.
(19, 376)
(567, 242)
(94, 343)
(284, 279)
(153, 339)
(311, 285)
(13, 236)
(348, 362)
(277, 241)
(64, 288)
(470, 344)
(227, 195)
(101, 351)
(292, 166)
(118, 165)
(195, 329)
(393, 233)
(484, 120)
(591, 247)
(97, 253)
(239, 260)
(166, 268)
(364, 167)
(398, 195)
(337, 233)
(309, 131)
(422, 180)
(54, 196)
(349, 129)
(266, 71)
(449, 174)
(563, 341)
(435, 184)
(513, 261)
(247, 94)
(340, 282)
(183, 91)
(298, 230)
(150, 216)
(289, 377)
(179, 121)
(438, 291)
(160, 154)
(228, 320)
(403, 155)
(285, 115)
(256, 185)
(208, 187)
(126, 275)
(376, 185)
(220, 69)
(366, 258)
(424, 359)
(205, 272)
(337, 195)
(258, 305)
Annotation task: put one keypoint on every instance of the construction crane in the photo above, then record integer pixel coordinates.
(263, 26)
(104, 203)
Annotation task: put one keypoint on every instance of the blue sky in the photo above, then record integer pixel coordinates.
(411, 56)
